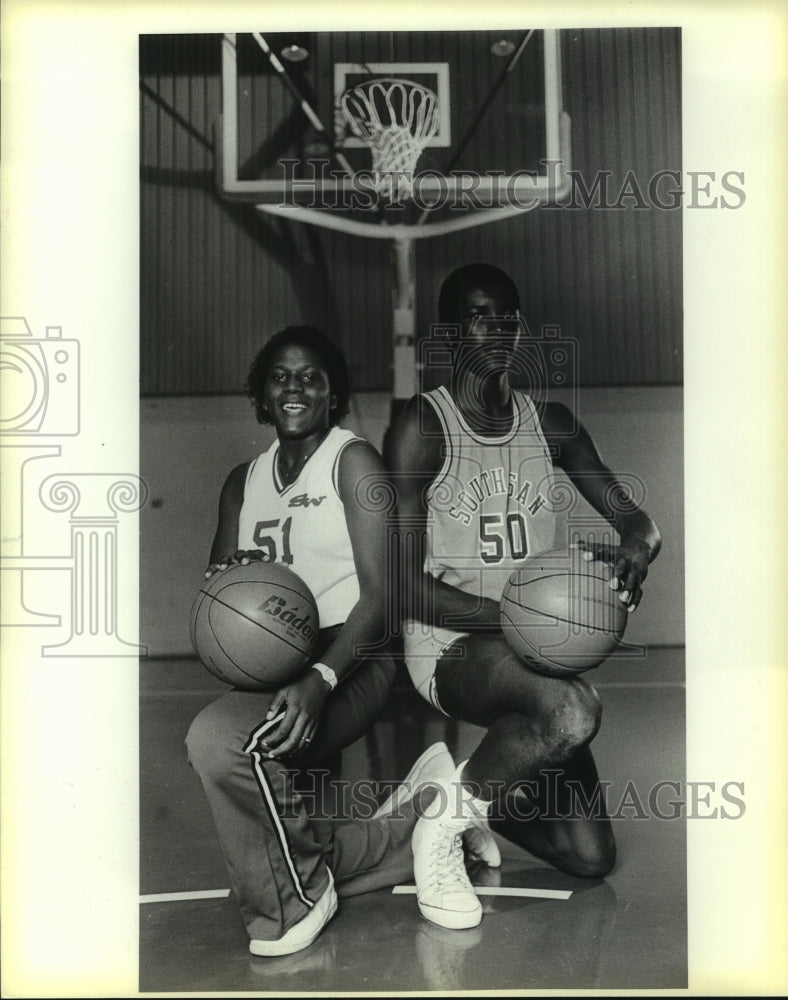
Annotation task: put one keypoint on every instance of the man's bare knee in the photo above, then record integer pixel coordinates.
(593, 860)
(574, 719)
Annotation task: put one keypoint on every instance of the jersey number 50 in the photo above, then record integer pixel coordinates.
(494, 536)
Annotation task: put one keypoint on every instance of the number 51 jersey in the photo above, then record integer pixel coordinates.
(303, 524)
(490, 505)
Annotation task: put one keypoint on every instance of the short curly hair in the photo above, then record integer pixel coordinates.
(331, 358)
(486, 276)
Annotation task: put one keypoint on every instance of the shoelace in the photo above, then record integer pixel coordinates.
(447, 865)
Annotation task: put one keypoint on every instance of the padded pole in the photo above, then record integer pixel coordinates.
(404, 318)
(403, 330)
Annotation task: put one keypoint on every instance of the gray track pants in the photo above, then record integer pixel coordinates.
(278, 838)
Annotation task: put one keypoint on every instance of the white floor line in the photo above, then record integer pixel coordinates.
(174, 897)
(638, 684)
(180, 692)
(401, 890)
(489, 890)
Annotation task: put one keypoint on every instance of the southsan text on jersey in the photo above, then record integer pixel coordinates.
(491, 483)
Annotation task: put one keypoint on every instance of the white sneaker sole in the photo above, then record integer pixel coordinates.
(455, 920)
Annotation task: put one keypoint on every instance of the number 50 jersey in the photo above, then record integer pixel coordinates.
(489, 506)
(303, 524)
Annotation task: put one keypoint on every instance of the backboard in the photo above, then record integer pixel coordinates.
(502, 141)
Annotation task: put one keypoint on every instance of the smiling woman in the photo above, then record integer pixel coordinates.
(299, 383)
(298, 391)
(301, 503)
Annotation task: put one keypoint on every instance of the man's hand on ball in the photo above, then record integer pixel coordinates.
(628, 565)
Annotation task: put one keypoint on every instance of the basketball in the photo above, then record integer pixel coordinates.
(559, 614)
(254, 626)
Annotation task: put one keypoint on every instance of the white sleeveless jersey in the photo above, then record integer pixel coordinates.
(489, 505)
(303, 525)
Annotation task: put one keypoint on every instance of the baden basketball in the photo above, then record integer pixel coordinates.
(254, 626)
(559, 614)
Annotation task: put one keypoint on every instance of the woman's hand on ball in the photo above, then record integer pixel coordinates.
(240, 558)
(303, 703)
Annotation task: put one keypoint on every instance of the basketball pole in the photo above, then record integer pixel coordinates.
(404, 318)
(405, 379)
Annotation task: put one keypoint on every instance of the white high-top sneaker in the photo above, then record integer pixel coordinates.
(443, 889)
(436, 766)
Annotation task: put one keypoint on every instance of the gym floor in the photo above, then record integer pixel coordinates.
(628, 931)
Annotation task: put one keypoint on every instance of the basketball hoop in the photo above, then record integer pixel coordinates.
(396, 119)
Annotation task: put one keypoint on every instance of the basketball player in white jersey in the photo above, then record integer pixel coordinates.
(472, 461)
(308, 501)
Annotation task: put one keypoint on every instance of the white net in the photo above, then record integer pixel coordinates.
(396, 118)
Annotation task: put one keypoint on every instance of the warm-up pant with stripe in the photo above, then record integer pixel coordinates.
(277, 831)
